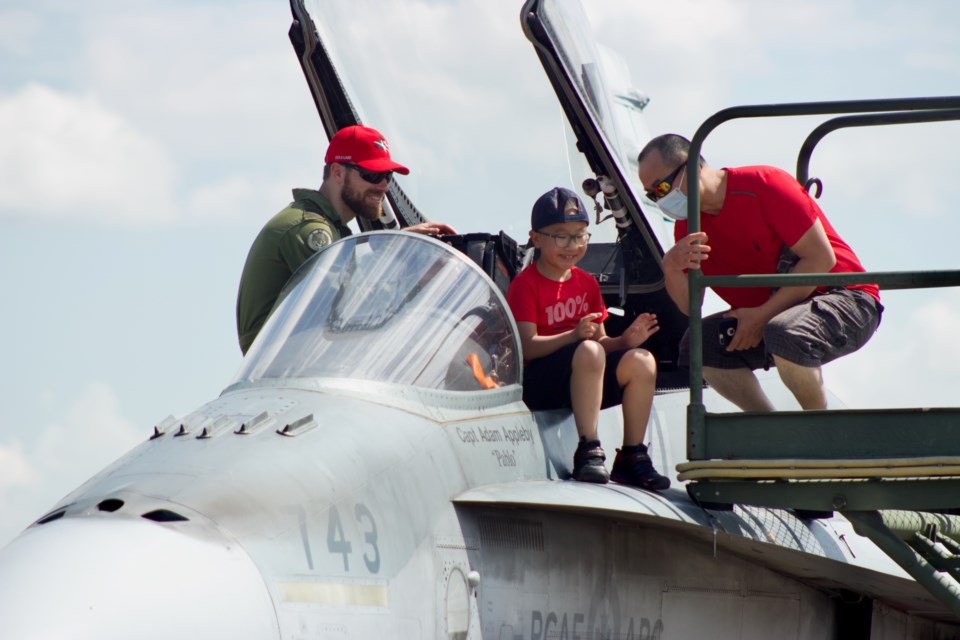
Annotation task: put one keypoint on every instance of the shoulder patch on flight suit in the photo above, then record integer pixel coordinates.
(318, 239)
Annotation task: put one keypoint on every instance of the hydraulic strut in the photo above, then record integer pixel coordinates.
(611, 201)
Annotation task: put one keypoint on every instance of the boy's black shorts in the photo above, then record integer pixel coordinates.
(546, 380)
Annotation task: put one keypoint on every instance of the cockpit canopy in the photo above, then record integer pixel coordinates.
(389, 307)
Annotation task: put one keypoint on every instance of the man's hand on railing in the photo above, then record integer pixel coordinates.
(687, 253)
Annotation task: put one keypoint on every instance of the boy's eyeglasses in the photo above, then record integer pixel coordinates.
(563, 240)
(373, 177)
(662, 187)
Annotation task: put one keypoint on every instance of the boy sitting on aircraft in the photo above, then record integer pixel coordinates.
(570, 360)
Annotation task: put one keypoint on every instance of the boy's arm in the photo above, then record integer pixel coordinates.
(644, 326)
(536, 346)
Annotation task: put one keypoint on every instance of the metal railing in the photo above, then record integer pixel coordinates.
(887, 111)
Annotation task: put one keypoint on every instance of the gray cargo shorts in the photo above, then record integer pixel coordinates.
(812, 333)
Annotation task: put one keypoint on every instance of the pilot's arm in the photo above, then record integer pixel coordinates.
(304, 240)
(432, 229)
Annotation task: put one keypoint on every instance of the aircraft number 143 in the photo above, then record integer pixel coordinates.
(338, 543)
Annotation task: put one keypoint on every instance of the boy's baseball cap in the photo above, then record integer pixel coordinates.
(556, 206)
(364, 147)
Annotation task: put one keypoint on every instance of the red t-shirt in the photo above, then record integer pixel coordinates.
(554, 306)
(764, 209)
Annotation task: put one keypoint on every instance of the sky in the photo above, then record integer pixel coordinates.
(145, 144)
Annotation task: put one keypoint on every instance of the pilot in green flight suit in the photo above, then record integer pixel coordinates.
(308, 224)
(357, 173)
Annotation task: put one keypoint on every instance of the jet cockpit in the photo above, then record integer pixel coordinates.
(389, 307)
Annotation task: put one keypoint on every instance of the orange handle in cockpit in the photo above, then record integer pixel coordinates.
(486, 382)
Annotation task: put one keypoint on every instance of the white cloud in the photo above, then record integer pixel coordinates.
(15, 468)
(932, 61)
(911, 360)
(154, 110)
(67, 157)
(242, 197)
(89, 435)
(17, 31)
(672, 54)
(461, 97)
(932, 329)
(211, 89)
(861, 164)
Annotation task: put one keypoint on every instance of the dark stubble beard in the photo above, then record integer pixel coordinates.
(354, 198)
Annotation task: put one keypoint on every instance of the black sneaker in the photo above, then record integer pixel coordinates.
(588, 463)
(636, 469)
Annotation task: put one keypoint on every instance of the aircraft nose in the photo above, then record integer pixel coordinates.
(86, 578)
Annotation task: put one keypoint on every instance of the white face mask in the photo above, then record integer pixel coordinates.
(674, 204)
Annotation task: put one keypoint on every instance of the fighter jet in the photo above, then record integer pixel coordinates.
(372, 472)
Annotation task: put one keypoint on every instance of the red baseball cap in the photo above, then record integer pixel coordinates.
(364, 147)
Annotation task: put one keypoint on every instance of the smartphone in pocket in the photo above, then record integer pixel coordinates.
(728, 327)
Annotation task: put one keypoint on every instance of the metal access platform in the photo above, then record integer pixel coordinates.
(894, 473)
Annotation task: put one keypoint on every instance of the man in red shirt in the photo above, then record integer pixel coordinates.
(760, 220)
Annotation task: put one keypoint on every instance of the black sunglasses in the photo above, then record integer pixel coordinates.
(662, 187)
(373, 177)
